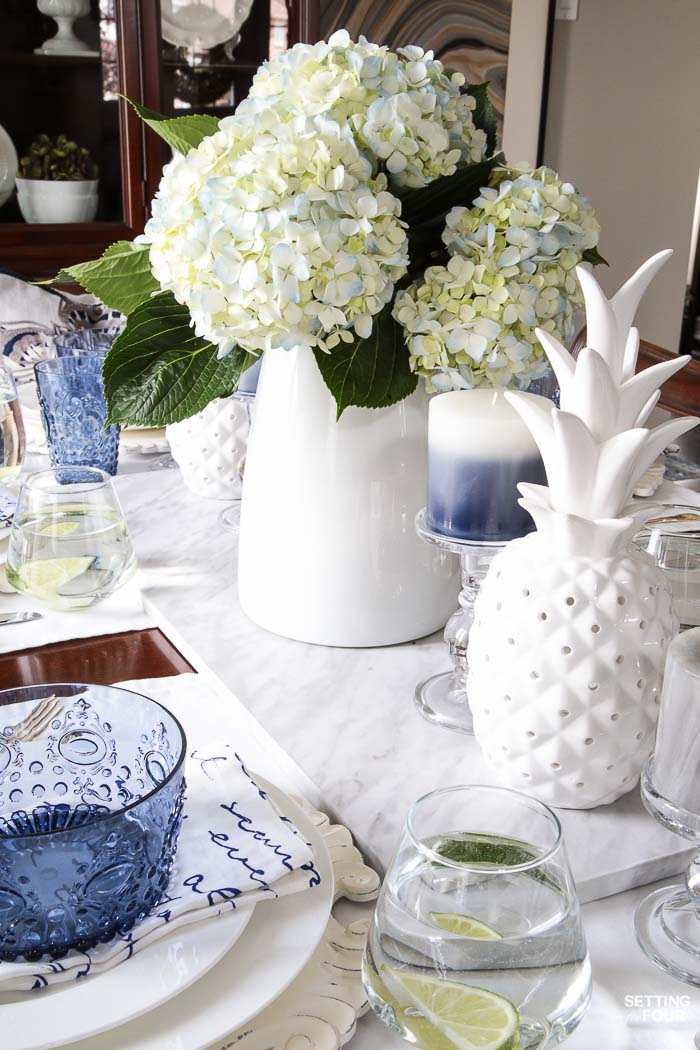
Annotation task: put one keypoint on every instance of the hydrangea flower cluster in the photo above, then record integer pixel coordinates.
(276, 233)
(472, 322)
(406, 113)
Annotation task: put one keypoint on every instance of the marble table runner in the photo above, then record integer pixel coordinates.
(346, 716)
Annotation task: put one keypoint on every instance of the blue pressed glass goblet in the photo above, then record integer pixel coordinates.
(74, 412)
(91, 790)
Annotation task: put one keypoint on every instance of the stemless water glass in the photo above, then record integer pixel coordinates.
(74, 412)
(70, 545)
(672, 538)
(12, 442)
(477, 934)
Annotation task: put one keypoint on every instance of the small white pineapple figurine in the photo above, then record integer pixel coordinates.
(567, 650)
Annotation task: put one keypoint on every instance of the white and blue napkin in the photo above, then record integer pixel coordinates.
(234, 849)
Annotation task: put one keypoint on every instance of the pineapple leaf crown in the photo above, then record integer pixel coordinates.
(596, 446)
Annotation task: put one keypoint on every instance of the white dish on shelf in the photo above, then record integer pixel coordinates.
(272, 952)
(8, 166)
(188, 23)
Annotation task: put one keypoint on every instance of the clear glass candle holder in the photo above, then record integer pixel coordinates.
(477, 937)
(668, 920)
(442, 699)
(230, 517)
(672, 538)
(69, 546)
(74, 412)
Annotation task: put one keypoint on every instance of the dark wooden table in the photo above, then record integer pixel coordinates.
(99, 661)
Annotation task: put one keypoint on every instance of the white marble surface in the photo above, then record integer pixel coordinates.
(346, 716)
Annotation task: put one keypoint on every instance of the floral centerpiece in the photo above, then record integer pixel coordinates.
(353, 223)
(349, 172)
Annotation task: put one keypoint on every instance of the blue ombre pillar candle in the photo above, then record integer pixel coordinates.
(478, 451)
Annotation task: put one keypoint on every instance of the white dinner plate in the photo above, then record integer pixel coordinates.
(75, 1010)
(278, 943)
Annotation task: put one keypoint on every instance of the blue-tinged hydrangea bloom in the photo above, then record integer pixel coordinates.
(472, 322)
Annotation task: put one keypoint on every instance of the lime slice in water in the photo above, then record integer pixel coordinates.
(423, 1033)
(471, 1018)
(465, 926)
(44, 576)
(58, 528)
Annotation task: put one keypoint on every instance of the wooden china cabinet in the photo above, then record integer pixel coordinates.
(129, 47)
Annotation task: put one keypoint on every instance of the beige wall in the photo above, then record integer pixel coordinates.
(623, 124)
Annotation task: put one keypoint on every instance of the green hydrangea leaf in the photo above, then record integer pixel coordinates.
(121, 278)
(593, 256)
(430, 204)
(182, 133)
(425, 210)
(484, 115)
(158, 371)
(369, 373)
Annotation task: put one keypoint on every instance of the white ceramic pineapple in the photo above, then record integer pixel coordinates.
(567, 650)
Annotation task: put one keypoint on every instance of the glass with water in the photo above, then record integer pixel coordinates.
(70, 545)
(12, 442)
(477, 939)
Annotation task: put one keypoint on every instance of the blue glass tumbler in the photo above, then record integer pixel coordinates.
(74, 412)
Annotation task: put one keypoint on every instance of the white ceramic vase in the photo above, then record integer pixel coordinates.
(47, 200)
(210, 448)
(328, 549)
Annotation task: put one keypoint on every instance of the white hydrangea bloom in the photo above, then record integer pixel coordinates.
(275, 234)
(406, 113)
(527, 219)
(472, 322)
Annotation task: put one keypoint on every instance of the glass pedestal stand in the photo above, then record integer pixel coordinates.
(230, 517)
(442, 699)
(667, 922)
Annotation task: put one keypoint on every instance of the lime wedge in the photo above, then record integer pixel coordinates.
(43, 577)
(423, 1034)
(471, 1018)
(479, 849)
(465, 926)
(58, 528)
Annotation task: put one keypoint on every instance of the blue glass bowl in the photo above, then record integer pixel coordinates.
(91, 792)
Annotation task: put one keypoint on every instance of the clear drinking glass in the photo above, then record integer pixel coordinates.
(74, 412)
(477, 932)
(667, 922)
(12, 442)
(672, 538)
(69, 546)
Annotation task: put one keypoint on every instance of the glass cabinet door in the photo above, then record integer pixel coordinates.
(59, 77)
(210, 50)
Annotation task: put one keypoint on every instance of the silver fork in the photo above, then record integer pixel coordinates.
(33, 726)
